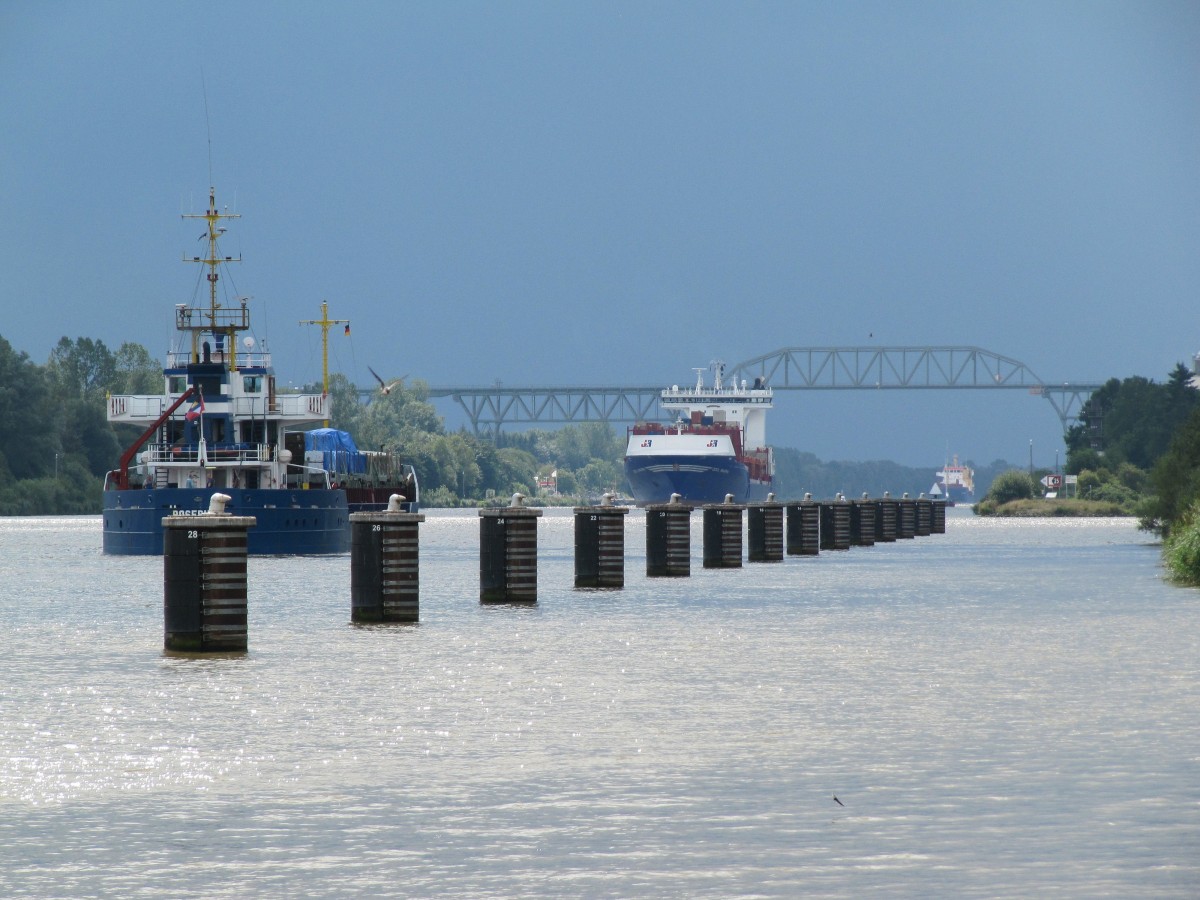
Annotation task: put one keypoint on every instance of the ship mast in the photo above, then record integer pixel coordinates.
(219, 322)
(326, 323)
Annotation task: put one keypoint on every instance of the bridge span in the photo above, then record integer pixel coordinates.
(788, 369)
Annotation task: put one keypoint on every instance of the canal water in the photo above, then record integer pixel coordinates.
(1009, 709)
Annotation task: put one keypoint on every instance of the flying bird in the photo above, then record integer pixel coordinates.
(384, 387)
(837, 801)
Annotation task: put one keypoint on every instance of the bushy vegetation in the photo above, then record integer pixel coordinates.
(55, 440)
(1174, 509)
(1181, 548)
(1016, 493)
(1011, 485)
(1033, 508)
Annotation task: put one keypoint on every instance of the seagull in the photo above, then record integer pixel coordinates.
(384, 387)
(837, 801)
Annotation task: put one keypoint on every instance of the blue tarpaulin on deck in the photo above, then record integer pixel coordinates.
(341, 454)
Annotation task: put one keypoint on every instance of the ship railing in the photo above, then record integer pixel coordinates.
(257, 359)
(204, 318)
(760, 395)
(134, 407)
(234, 454)
(249, 407)
(171, 453)
(375, 472)
(301, 406)
(385, 466)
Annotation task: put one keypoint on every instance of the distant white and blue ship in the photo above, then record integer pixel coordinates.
(715, 447)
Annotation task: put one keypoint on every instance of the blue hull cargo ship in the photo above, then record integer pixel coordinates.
(716, 446)
(221, 425)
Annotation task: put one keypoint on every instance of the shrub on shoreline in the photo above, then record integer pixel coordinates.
(1181, 549)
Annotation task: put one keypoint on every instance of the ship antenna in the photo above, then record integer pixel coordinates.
(207, 124)
(325, 322)
(224, 322)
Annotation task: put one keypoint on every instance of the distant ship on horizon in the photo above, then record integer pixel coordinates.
(954, 483)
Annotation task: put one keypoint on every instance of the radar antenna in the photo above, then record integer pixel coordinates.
(718, 367)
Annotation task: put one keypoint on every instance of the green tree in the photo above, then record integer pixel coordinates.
(1131, 420)
(1083, 458)
(1182, 398)
(577, 445)
(1175, 478)
(82, 368)
(396, 419)
(517, 467)
(1132, 478)
(137, 372)
(566, 482)
(88, 436)
(487, 457)
(456, 456)
(1089, 482)
(600, 475)
(29, 436)
(1011, 485)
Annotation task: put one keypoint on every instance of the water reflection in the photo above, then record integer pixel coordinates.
(1010, 708)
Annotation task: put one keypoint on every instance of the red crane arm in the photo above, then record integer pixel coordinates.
(128, 455)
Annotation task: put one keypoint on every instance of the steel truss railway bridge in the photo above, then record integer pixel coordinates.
(789, 369)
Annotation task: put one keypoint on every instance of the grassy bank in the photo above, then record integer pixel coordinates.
(1035, 508)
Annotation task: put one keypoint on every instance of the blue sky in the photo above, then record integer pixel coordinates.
(561, 193)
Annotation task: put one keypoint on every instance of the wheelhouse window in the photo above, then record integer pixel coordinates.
(177, 384)
(252, 384)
